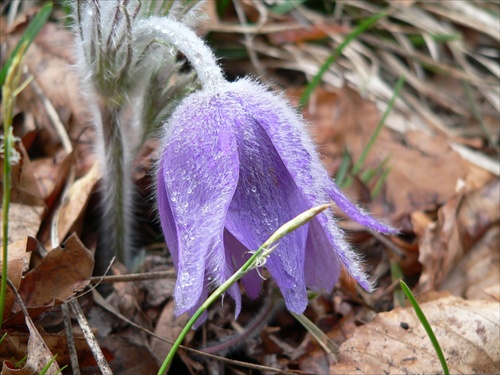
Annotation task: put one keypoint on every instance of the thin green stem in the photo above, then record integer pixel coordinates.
(426, 325)
(7, 149)
(256, 260)
(373, 138)
(12, 79)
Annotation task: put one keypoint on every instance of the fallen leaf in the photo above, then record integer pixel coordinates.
(395, 342)
(26, 205)
(346, 120)
(478, 270)
(75, 203)
(38, 356)
(61, 273)
(169, 327)
(461, 223)
(16, 346)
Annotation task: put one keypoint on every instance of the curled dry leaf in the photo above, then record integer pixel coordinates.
(75, 203)
(16, 346)
(461, 223)
(396, 342)
(38, 356)
(60, 274)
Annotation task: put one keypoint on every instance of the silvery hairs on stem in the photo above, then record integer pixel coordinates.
(131, 86)
(236, 163)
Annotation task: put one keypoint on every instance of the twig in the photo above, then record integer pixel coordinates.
(70, 339)
(387, 242)
(90, 338)
(54, 117)
(248, 39)
(133, 277)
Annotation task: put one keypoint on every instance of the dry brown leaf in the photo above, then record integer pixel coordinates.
(478, 270)
(65, 270)
(50, 61)
(76, 202)
(169, 327)
(51, 174)
(60, 274)
(461, 223)
(17, 261)
(38, 356)
(344, 119)
(396, 342)
(16, 346)
(26, 204)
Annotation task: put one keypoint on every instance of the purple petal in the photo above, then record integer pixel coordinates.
(192, 310)
(266, 198)
(199, 168)
(239, 254)
(289, 135)
(356, 213)
(234, 290)
(335, 236)
(322, 266)
(166, 219)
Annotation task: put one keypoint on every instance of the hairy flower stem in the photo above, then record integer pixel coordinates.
(117, 189)
(185, 40)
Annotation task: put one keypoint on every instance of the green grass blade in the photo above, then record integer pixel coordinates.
(397, 274)
(365, 25)
(390, 105)
(426, 325)
(47, 366)
(28, 36)
(380, 183)
(341, 175)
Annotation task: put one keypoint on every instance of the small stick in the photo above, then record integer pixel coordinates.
(70, 339)
(91, 340)
(133, 277)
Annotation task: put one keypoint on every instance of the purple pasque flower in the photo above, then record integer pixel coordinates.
(238, 163)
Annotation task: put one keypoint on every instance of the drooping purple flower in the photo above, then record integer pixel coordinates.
(237, 164)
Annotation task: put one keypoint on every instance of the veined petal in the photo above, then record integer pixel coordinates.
(356, 213)
(298, 152)
(200, 174)
(322, 265)
(266, 197)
